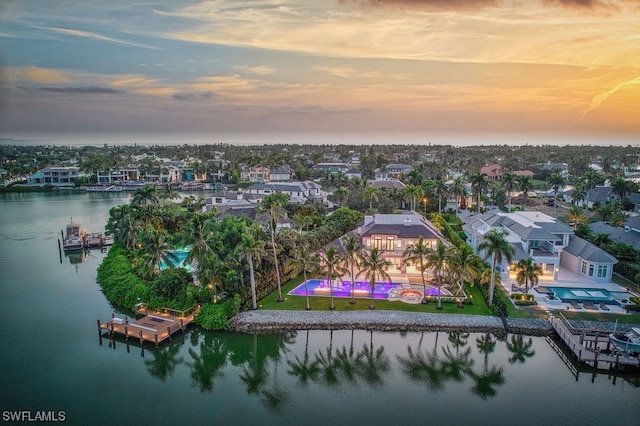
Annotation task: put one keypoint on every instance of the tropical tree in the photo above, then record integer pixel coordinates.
(557, 182)
(374, 267)
(576, 215)
(252, 249)
(370, 194)
(272, 208)
(479, 185)
(209, 273)
(197, 238)
(417, 253)
(520, 349)
(441, 191)
(605, 211)
(527, 272)
(170, 193)
(352, 254)
(147, 195)
(620, 186)
(303, 260)
(340, 194)
(525, 185)
(495, 246)
(331, 263)
(154, 249)
(579, 194)
(413, 193)
(463, 267)
(458, 189)
(437, 261)
(509, 184)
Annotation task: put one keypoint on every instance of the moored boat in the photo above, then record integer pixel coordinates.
(628, 342)
(78, 239)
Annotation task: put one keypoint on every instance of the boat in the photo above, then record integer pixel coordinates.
(628, 342)
(76, 239)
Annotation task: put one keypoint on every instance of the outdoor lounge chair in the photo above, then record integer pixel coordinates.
(603, 306)
(589, 305)
(575, 305)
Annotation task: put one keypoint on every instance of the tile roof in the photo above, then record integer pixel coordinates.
(584, 250)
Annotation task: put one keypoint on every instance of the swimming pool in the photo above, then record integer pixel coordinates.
(578, 294)
(181, 255)
(320, 287)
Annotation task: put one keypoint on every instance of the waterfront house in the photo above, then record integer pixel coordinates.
(393, 233)
(548, 242)
(300, 192)
(393, 171)
(55, 176)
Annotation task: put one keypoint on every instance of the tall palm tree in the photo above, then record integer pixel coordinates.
(591, 180)
(374, 266)
(413, 193)
(437, 261)
(525, 185)
(479, 185)
(155, 249)
(303, 260)
(527, 272)
(198, 239)
(352, 254)
(620, 186)
(576, 215)
(417, 253)
(169, 193)
(252, 249)
(340, 194)
(272, 208)
(458, 189)
(557, 182)
(495, 245)
(147, 195)
(510, 184)
(370, 194)
(209, 273)
(440, 190)
(462, 266)
(579, 194)
(331, 262)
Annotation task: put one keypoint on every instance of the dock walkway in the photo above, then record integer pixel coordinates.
(584, 346)
(154, 326)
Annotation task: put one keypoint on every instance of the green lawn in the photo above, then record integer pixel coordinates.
(297, 303)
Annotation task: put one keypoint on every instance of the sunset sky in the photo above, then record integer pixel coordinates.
(329, 70)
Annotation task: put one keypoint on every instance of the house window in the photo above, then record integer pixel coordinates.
(602, 271)
(377, 243)
(584, 267)
(591, 268)
(534, 244)
(389, 245)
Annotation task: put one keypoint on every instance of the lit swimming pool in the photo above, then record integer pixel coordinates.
(320, 287)
(577, 294)
(181, 255)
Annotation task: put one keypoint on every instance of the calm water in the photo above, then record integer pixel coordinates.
(52, 358)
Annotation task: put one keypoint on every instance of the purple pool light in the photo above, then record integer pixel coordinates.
(361, 289)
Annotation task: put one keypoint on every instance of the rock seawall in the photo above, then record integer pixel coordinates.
(265, 321)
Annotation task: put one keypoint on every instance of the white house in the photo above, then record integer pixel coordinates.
(300, 192)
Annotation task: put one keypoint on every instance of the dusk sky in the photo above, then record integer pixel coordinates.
(332, 70)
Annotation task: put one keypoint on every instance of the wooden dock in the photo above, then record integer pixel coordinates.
(154, 326)
(585, 346)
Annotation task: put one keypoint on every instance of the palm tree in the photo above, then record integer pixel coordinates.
(418, 253)
(440, 190)
(272, 208)
(209, 273)
(576, 215)
(579, 194)
(340, 194)
(331, 262)
(495, 245)
(155, 249)
(591, 180)
(462, 265)
(525, 185)
(302, 260)
(374, 266)
(370, 194)
(437, 261)
(252, 249)
(479, 185)
(520, 350)
(413, 193)
(557, 182)
(170, 193)
(509, 184)
(458, 190)
(527, 272)
(148, 195)
(605, 212)
(197, 237)
(620, 186)
(352, 254)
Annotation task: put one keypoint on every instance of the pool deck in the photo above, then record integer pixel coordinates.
(154, 326)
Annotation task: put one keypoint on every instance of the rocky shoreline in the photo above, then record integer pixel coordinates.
(270, 321)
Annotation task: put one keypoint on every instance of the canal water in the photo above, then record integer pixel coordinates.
(54, 361)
